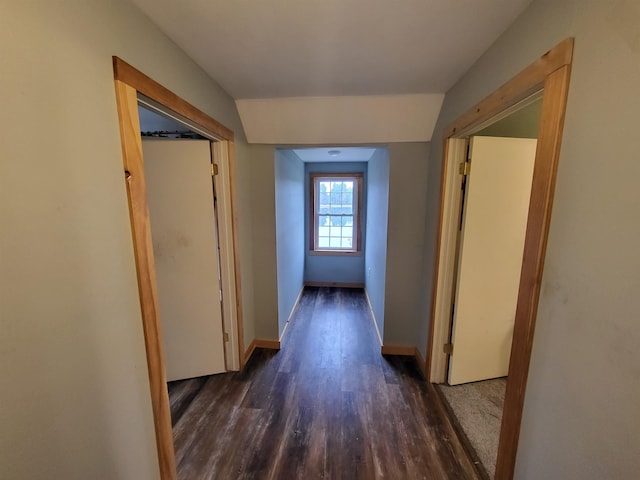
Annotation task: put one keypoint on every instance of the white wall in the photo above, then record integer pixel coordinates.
(377, 220)
(581, 409)
(289, 192)
(75, 402)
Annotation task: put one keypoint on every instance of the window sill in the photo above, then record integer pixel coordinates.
(336, 253)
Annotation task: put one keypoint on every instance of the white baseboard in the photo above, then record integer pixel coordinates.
(295, 306)
(373, 316)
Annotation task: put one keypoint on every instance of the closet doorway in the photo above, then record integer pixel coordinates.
(496, 178)
(550, 76)
(134, 88)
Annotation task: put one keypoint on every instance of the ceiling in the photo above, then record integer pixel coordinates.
(334, 154)
(371, 49)
(292, 48)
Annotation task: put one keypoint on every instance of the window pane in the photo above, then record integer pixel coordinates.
(335, 213)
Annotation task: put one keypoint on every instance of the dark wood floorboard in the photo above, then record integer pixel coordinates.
(326, 406)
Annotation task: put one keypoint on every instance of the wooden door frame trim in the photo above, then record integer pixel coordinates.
(551, 74)
(128, 83)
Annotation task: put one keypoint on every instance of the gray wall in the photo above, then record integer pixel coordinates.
(404, 295)
(289, 191)
(72, 357)
(408, 178)
(377, 219)
(263, 241)
(581, 408)
(524, 123)
(334, 268)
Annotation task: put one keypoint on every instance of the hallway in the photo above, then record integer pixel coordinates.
(327, 405)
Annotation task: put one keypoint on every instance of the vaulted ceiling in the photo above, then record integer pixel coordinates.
(259, 49)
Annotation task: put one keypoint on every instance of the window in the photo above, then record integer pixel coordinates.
(336, 212)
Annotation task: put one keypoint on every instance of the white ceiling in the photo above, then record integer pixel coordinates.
(336, 120)
(294, 48)
(325, 72)
(346, 154)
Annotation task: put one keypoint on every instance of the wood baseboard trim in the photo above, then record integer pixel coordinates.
(404, 350)
(422, 363)
(259, 343)
(451, 418)
(407, 351)
(334, 284)
(295, 306)
(373, 316)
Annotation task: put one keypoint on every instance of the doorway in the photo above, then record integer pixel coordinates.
(132, 88)
(550, 75)
(496, 187)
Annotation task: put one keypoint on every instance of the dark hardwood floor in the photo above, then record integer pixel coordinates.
(326, 406)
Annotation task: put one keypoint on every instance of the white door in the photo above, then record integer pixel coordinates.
(492, 242)
(182, 216)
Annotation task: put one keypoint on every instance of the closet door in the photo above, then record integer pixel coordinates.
(183, 229)
(492, 245)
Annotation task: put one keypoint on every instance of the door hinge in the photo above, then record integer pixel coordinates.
(464, 168)
(214, 169)
(225, 336)
(448, 348)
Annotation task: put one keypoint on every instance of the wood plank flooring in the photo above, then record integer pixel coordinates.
(326, 406)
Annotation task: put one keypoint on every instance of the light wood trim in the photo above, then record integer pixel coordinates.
(226, 230)
(138, 211)
(258, 343)
(552, 73)
(334, 284)
(556, 90)
(373, 316)
(519, 87)
(152, 89)
(421, 363)
(270, 344)
(464, 445)
(404, 350)
(129, 82)
(445, 268)
(236, 249)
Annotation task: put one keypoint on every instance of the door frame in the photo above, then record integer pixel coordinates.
(550, 74)
(129, 82)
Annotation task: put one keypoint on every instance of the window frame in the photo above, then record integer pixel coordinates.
(356, 249)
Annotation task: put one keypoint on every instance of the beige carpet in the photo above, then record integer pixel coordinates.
(478, 408)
